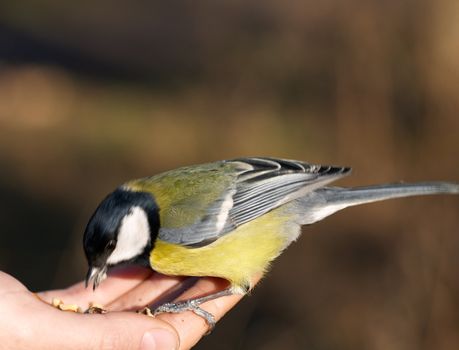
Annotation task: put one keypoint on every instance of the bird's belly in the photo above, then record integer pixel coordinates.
(237, 256)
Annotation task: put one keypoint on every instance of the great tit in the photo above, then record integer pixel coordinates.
(227, 219)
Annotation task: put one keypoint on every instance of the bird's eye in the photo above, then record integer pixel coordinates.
(111, 244)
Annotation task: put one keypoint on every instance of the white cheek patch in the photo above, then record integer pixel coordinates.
(133, 237)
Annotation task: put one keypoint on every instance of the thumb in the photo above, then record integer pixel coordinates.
(28, 323)
(116, 330)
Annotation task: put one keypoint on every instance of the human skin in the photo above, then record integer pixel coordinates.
(28, 321)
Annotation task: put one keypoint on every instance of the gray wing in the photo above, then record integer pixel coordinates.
(274, 182)
(261, 185)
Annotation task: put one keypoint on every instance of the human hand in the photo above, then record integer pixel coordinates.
(26, 322)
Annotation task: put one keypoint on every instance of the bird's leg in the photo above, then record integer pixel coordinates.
(193, 305)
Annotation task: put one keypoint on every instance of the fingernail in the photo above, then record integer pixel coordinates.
(159, 339)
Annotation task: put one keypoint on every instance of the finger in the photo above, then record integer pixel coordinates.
(9, 284)
(192, 327)
(30, 324)
(118, 282)
(54, 329)
(145, 293)
(123, 331)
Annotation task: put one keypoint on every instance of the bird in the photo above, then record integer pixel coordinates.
(228, 219)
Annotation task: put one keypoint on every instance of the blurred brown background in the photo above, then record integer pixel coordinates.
(93, 94)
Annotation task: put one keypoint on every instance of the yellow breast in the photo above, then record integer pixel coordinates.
(237, 256)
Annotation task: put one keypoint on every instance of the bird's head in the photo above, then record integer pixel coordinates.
(121, 231)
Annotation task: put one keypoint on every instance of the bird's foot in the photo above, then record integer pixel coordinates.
(194, 306)
(188, 305)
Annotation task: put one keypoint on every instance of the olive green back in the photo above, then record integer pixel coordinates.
(184, 194)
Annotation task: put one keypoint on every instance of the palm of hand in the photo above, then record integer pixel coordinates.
(30, 323)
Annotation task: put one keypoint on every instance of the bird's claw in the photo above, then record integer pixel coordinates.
(188, 305)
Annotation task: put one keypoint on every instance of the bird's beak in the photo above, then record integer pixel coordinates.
(95, 274)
